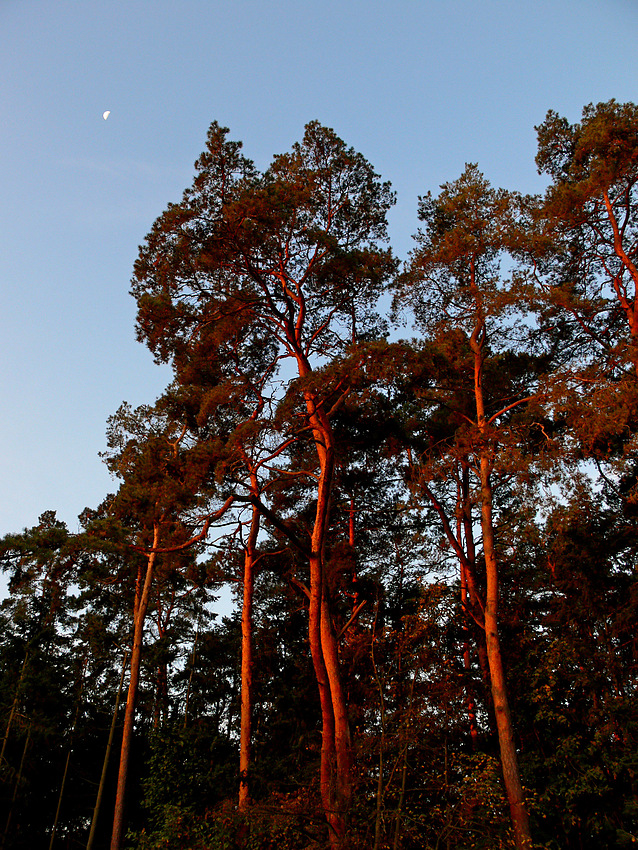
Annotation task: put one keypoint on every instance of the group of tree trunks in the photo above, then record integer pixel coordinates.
(452, 516)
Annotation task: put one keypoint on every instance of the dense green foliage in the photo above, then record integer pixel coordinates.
(492, 458)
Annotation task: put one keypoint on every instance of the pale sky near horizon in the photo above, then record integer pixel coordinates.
(420, 87)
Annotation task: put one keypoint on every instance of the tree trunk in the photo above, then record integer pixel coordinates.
(509, 760)
(336, 746)
(336, 752)
(465, 532)
(139, 615)
(327, 717)
(190, 676)
(16, 787)
(160, 709)
(379, 806)
(467, 666)
(68, 757)
(107, 757)
(247, 660)
(343, 748)
(14, 706)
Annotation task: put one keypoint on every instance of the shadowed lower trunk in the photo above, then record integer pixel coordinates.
(509, 759)
(107, 757)
(247, 662)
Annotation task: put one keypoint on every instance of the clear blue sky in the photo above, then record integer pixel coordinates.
(419, 86)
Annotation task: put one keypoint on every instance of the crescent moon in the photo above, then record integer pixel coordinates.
(106, 114)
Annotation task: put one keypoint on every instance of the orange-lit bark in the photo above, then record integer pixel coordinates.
(327, 767)
(245, 736)
(343, 747)
(509, 759)
(336, 751)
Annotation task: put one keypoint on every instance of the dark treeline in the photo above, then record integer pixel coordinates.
(431, 540)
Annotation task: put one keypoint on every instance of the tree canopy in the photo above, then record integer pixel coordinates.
(429, 542)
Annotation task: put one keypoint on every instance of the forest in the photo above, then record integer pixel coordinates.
(418, 481)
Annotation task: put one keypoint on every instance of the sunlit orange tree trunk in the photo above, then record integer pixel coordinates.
(245, 732)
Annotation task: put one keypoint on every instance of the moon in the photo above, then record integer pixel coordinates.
(106, 114)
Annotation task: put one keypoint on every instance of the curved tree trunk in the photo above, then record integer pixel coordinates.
(316, 639)
(343, 747)
(336, 750)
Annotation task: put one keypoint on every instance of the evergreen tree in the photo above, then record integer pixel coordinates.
(459, 296)
(293, 255)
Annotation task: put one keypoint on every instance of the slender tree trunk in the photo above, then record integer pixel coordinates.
(465, 532)
(60, 798)
(323, 654)
(469, 693)
(343, 747)
(405, 734)
(16, 787)
(160, 702)
(247, 659)
(399, 809)
(379, 807)
(14, 706)
(160, 711)
(129, 715)
(68, 758)
(509, 759)
(190, 677)
(107, 757)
